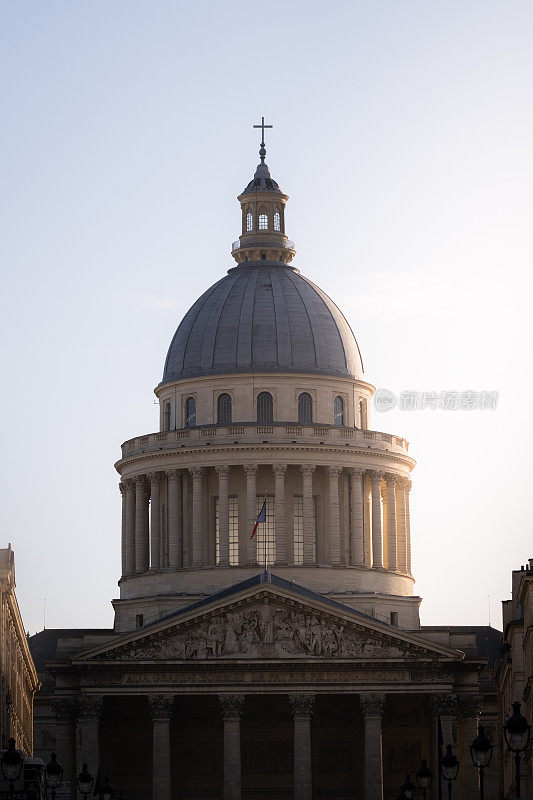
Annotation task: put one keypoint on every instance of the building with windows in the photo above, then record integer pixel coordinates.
(287, 665)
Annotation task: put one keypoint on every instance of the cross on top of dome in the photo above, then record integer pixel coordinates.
(262, 150)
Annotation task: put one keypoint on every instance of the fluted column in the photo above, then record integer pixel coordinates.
(89, 708)
(174, 539)
(391, 522)
(308, 515)
(444, 708)
(65, 713)
(130, 526)
(124, 493)
(155, 520)
(468, 708)
(161, 706)
(302, 708)
(357, 554)
(223, 515)
(334, 516)
(231, 710)
(197, 515)
(377, 534)
(408, 526)
(373, 705)
(141, 524)
(279, 512)
(400, 524)
(250, 470)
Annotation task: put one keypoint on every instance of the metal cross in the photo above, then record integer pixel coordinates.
(263, 126)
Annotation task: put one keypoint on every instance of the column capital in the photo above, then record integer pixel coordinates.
(391, 479)
(155, 477)
(222, 471)
(173, 474)
(279, 470)
(89, 706)
(302, 704)
(231, 705)
(64, 708)
(197, 472)
(123, 487)
(140, 481)
(250, 470)
(334, 472)
(356, 472)
(307, 469)
(375, 476)
(372, 704)
(161, 706)
(469, 705)
(444, 705)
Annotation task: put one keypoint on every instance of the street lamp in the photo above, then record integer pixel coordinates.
(53, 775)
(85, 781)
(107, 792)
(11, 764)
(517, 733)
(450, 767)
(408, 789)
(481, 754)
(424, 777)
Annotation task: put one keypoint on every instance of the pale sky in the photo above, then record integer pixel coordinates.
(403, 136)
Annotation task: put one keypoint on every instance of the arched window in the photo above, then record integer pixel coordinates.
(224, 409)
(265, 407)
(167, 416)
(263, 222)
(362, 414)
(249, 221)
(190, 412)
(305, 408)
(277, 221)
(338, 411)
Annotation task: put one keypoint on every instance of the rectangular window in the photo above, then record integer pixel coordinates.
(266, 532)
(299, 529)
(233, 531)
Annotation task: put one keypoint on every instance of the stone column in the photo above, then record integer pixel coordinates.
(161, 707)
(373, 705)
(279, 512)
(377, 540)
(302, 708)
(408, 526)
(197, 516)
(400, 525)
(444, 707)
(141, 527)
(357, 554)
(250, 470)
(174, 539)
(468, 708)
(223, 516)
(89, 710)
(334, 517)
(65, 712)
(124, 492)
(391, 522)
(155, 520)
(130, 526)
(231, 709)
(309, 530)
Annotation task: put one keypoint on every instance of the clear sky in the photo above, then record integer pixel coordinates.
(403, 135)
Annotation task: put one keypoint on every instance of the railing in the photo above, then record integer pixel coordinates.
(287, 245)
(246, 433)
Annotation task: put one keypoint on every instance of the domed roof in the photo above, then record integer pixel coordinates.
(263, 317)
(262, 181)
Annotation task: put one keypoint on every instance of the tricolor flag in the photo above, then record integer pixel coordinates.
(261, 517)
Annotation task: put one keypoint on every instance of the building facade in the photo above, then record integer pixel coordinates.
(290, 664)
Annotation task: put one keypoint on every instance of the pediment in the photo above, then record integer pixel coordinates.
(266, 622)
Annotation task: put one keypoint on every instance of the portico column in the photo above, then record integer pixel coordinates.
(65, 710)
(231, 709)
(223, 516)
(358, 543)
(308, 515)
(469, 707)
(334, 517)
(302, 708)
(141, 524)
(89, 712)
(250, 470)
(124, 493)
(373, 705)
(197, 515)
(408, 525)
(130, 526)
(174, 543)
(400, 525)
(279, 512)
(161, 706)
(155, 520)
(391, 521)
(377, 536)
(444, 707)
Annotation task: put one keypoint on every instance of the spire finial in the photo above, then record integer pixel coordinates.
(262, 150)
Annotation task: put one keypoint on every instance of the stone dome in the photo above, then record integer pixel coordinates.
(263, 317)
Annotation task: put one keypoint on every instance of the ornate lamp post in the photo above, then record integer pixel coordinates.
(424, 777)
(517, 733)
(450, 767)
(85, 781)
(11, 765)
(53, 775)
(408, 788)
(107, 792)
(481, 754)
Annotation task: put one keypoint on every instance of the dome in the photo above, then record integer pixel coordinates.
(262, 181)
(263, 317)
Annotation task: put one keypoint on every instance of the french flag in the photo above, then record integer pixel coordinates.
(261, 517)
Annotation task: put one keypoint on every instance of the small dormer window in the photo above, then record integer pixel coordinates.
(249, 221)
(263, 222)
(277, 221)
